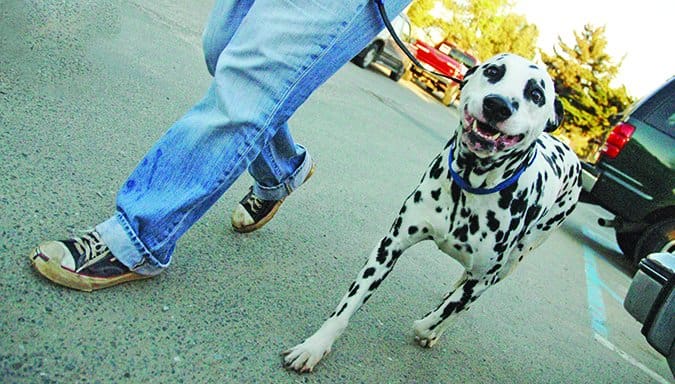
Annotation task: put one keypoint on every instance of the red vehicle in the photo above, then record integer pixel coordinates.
(444, 58)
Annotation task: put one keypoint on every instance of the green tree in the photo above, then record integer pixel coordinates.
(482, 27)
(583, 74)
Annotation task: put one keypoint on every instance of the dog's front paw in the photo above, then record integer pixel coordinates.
(424, 337)
(304, 357)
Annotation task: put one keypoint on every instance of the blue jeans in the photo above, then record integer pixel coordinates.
(266, 58)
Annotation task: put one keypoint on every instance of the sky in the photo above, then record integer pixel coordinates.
(640, 30)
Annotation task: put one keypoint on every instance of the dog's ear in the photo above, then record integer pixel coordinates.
(468, 73)
(559, 117)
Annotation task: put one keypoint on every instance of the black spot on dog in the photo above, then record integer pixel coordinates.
(473, 224)
(374, 285)
(342, 309)
(455, 192)
(556, 219)
(436, 168)
(412, 230)
(418, 196)
(353, 291)
(515, 221)
(368, 272)
(539, 185)
(439, 209)
(492, 223)
(436, 194)
(505, 197)
(396, 226)
(531, 214)
(494, 269)
(382, 252)
(461, 233)
(519, 203)
(500, 248)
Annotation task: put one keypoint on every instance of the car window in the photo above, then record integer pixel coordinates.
(463, 58)
(662, 117)
(658, 110)
(444, 48)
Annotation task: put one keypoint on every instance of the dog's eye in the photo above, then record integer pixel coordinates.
(494, 73)
(491, 72)
(537, 96)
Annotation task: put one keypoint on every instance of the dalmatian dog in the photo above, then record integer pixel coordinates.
(495, 193)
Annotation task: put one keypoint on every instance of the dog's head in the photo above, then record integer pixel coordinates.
(506, 103)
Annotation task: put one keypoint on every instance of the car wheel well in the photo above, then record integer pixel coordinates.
(661, 214)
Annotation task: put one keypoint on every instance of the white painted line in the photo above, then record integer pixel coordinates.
(630, 359)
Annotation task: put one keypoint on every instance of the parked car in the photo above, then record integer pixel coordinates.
(383, 49)
(634, 176)
(651, 301)
(444, 58)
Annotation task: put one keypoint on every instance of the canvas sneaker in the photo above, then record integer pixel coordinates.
(84, 263)
(253, 212)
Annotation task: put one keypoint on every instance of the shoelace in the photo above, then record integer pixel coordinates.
(255, 203)
(92, 249)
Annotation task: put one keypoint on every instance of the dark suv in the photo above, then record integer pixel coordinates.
(634, 176)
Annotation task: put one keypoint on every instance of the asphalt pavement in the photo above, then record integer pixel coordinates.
(86, 87)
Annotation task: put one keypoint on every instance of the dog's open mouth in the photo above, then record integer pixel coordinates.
(481, 136)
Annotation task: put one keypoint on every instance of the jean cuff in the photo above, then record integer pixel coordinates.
(283, 189)
(127, 247)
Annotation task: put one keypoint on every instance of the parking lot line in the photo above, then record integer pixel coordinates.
(608, 344)
(596, 308)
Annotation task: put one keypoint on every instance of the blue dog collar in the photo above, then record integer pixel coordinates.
(463, 184)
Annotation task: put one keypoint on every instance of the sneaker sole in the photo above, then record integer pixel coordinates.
(63, 276)
(269, 216)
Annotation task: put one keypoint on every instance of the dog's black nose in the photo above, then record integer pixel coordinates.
(496, 108)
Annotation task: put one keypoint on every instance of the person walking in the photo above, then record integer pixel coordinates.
(266, 57)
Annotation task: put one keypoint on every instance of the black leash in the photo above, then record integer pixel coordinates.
(390, 28)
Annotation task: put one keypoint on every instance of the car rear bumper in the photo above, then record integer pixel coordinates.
(651, 301)
(589, 176)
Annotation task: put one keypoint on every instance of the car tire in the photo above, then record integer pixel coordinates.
(396, 74)
(658, 237)
(367, 56)
(627, 242)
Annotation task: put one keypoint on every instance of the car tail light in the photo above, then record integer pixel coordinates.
(617, 139)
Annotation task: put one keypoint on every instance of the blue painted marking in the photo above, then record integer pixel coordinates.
(601, 240)
(596, 306)
(609, 245)
(611, 292)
